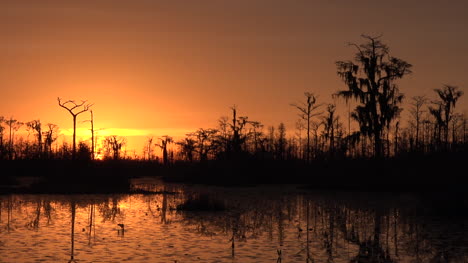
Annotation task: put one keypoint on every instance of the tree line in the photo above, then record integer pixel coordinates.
(320, 133)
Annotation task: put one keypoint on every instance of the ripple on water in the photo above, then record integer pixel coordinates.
(261, 221)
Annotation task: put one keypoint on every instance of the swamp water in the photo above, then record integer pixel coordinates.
(181, 223)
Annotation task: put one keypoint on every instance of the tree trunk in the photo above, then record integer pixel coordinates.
(74, 137)
(308, 139)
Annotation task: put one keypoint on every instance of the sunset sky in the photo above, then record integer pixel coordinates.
(168, 67)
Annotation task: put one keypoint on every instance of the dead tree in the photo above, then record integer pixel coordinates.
(307, 111)
(416, 111)
(75, 109)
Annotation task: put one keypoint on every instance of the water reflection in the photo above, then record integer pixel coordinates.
(254, 225)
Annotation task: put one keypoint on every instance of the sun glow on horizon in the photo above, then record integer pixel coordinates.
(135, 139)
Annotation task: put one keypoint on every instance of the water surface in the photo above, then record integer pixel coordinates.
(254, 224)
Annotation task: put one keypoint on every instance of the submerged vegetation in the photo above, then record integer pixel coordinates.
(323, 151)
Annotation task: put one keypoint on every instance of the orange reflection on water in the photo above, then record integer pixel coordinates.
(258, 225)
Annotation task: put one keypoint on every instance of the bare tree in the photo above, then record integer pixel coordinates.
(93, 145)
(416, 111)
(371, 82)
(307, 110)
(2, 120)
(149, 147)
(14, 125)
(74, 108)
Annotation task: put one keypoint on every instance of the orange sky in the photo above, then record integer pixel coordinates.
(167, 67)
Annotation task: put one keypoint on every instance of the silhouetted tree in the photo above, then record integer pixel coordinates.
(437, 113)
(187, 148)
(299, 128)
(49, 137)
(71, 106)
(257, 134)
(370, 80)
(148, 150)
(330, 121)
(456, 119)
(416, 111)
(164, 142)
(84, 151)
(205, 142)
(448, 97)
(93, 144)
(281, 141)
(2, 146)
(36, 127)
(307, 110)
(14, 125)
(237, 137)
(113, 145)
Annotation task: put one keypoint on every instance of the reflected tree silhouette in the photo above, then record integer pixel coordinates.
(72, 235)
(339, 229)
(109, 211)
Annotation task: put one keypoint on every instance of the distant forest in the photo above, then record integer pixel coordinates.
(369, 80)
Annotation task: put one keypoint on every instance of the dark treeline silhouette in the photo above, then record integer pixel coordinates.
(321, 144)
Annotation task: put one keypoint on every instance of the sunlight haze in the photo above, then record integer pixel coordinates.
(154, 68)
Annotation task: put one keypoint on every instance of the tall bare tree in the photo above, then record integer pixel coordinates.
(93, 144)
(417, 103)
(148, 149)
(370, 81)
(2, 120)
(308, 110)
(74, 108)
